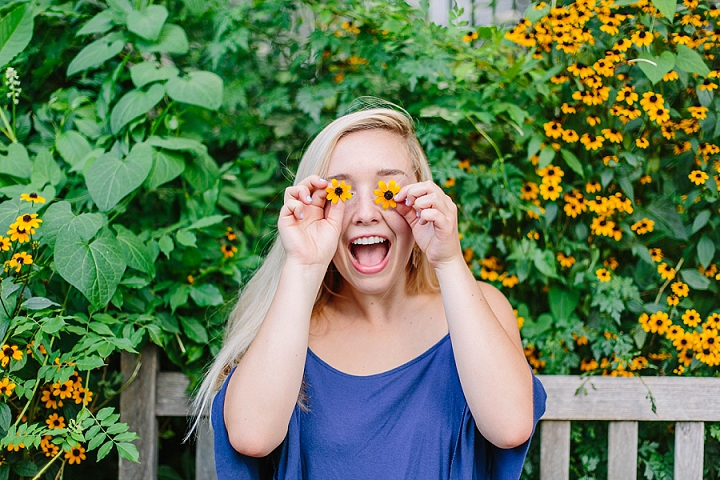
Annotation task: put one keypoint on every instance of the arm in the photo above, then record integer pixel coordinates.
(494, 374)
(263, 391)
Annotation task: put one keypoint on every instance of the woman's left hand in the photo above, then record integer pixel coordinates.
(432, 215)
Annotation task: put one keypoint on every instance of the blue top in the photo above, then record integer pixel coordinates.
(411, 422)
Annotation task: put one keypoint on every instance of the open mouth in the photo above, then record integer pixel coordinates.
(369, 254)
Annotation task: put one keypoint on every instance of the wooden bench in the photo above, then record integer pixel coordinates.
(622, 401)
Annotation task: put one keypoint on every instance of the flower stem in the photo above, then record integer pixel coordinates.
(37, 384)
(47, 465)
(8, 130)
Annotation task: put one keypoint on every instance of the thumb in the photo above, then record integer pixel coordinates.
(334, 213)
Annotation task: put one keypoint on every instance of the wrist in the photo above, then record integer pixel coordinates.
(452, 268)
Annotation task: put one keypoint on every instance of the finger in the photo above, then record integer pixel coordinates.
(313, 182)
(431, 215)
(293, 207)
(334, 213)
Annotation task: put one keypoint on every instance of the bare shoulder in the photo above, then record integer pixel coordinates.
(503, 310)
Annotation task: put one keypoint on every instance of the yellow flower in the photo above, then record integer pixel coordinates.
(712, 322)
(673, 299)
(529, 191)
(611, 263)
(627, 94)
(602, 226)
(551, 174)
(656, 254)
(9, 352)
(642, 143)
(19, 234)
(55, 421)
(385, 194)
(6, 387)
(15, 448)
(666, 271)
(4, 243)
(592, 120)
(32, 197)
(82, 395)
(228, 250)
(63, 390)
(559, 79)
(622, 45)
(670, 76)
(75, 455)
(643, 226)
(589, 365)
(591, 141)
(631, 112)
(48, 447)
(652, 101)
(612, 135)
(230, 234)
(567, 109)
(659, 322)
(509, 281)
(593, 186)
(565, 261)
(450, 182)
(338, 191)
(707, 85)
(533, 235)
(570, 136)
(680, 289)
(469, 37)
(553, 129)
(27, 221)
(603, 274)
(661, 115)
(698, 112)
(642, 38)
(550, 191)
(698, 177)
(18, 260)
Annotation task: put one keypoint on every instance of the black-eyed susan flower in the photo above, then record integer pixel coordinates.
(659, 322)
(508, 281)
(4, 243)
(680, 289)
(602, 226)
(592, 142)
(588, 365)
(228, 251)
(593, 186)
(19, 260)
(50, 400)
(713, 321)
(698, 177)
(32, 197)
(592, 120)
(551, 174)
(15, 448)
(671, 76)
(642, 38)
(661, 115)
(49, 448)
(55, 421)
(570, 136)
(666, 271)
(611, 263)
(643, 226)
(581, 70)
(645, 179)
(230, 234)
(622, 45)
(698, 112)
(553, 129)
(82, 395)
(385, 194)
(27, 221)
(631, 112)
(707, 85)
(533, 235)
(612, 135)
(550, 191)
(683, 340)
(63, 390)
(656, 254)
(642, 143)
(75, 455)
(529, 191)
(559, 79)
(627, 94)
(9, 352)
(568, 109)
(6, 387)
(603, 274)
(672, 300)
(566, 261)
(652, 101)
(470, 36)
(338, 191)
(19, 234)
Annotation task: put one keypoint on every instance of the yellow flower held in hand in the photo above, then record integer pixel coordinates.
(385, 194)
(338, 191)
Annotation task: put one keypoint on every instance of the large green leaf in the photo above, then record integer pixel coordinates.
(16, 30)
(147, 72)
(172, 39)
(705, 251)
(147, 23)
(656, 70)
(133, 104)
(178, 143)
(136, 253)
(691, 61)
(97, 53)
(572, 161)
(563, 302)
(46, 170)
(59, 216)
(72, 146)
(16, 162)
(166, 167)
(695, 279)
(110, 178)
(94, 268)
(204, 89)
(666, 218)
(667, 8)
(100, 23)
(202, 173)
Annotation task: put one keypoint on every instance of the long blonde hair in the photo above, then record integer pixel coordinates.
(255, 299)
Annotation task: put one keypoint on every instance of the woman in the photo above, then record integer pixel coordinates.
(363, 348)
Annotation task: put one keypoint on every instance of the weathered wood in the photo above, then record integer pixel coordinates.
(172, 396)
(689, 443)
(622, 450)
(137, 409)
(204, 453)
(612, 398)
(555, 450)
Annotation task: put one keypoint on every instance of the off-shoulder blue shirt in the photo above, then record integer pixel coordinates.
(409, 423)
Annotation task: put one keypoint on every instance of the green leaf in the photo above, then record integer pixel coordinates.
(563, 302)
(705, 251)
(100, 23)
(72, 146)
(104, 413)
(691, 61)
(45, 169)
(186, 238)
(172, 39)
(194, 330)
(133, 104)
(147, 23)
(695, 279)
(166, 245)
(16, 162)
(109, 179)
(39, 303)
(167, 166)
(136, 253)
(179, 297)
(96, 441)
(533, 329)
(16, 31)
(59, 215)
(572, 161)
(147, 72)
(700, 221)
(179, 144)
(104, 450)
(663, 64)
(206, 295)
(5, 416)
(128, 451)
(207, 221)
(667, 8)
(117, 428)
(204, 89)
(547, 155)
(95, 268)
(53, 325)
(97, 53)
(666, 218)
(544, 261)
(89, 363)
(202, 173)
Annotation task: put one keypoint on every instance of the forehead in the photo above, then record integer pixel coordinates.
(367, 152)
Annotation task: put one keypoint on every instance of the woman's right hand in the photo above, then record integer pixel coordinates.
(309, 225)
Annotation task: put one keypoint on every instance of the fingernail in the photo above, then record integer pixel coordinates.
(407, 201)
(396, 197)
(417, 214)
(323, 180)
(309, 198)
(302, 215)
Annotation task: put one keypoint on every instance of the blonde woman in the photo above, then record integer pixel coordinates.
(363, 348)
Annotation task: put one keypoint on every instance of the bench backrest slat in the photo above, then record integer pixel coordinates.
(689, 442)
(555, 449)
(622, 450)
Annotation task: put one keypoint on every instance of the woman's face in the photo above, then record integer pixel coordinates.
(375, 244)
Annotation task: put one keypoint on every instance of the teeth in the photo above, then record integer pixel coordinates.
(368, 240)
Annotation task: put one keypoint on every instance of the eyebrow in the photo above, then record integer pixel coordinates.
(380, 173)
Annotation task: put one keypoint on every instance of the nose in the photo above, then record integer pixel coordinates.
(364, 210)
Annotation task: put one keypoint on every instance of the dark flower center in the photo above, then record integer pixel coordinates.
(8, 352)
(653, 98)
(338, 191)
(388, 195)
(26, 218)
(75, 452)
(33, 195)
